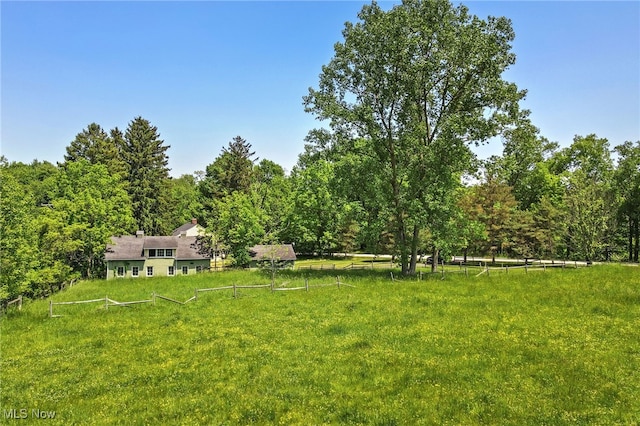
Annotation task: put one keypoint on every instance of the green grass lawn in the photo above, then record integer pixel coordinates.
(555, 347)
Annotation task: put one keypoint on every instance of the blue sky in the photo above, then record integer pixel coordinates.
(205, 72)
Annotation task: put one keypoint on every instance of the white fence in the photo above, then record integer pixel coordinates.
(107, 302)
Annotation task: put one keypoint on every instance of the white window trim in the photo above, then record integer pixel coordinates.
(185, 270)
(137, 269)
(147, 270)
(171, 270)
(167, 253)
(124, 272)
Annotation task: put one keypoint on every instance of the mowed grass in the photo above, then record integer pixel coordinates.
(555, 347)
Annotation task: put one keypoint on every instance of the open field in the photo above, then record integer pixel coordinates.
(554, 347)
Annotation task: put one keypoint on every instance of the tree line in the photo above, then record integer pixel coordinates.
(406, 95)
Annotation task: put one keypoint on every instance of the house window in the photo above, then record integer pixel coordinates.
(135, 271)
(171, 271)
(198, 269)
(161, 252)
(185, 270)
(149, 271)
(120, 271)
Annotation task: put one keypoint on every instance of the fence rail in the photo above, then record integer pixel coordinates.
(17, 302)
(110, 302)
(457, 267)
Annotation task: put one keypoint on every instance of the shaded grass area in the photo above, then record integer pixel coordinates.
(556, 347)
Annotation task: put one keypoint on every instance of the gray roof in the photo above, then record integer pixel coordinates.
(160, 242)
(184, 228)
(277, 251)
(132, 248)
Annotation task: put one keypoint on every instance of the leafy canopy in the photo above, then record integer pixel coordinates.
(417, 84)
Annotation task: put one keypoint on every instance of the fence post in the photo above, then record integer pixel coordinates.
(338, 280)
(195, 294)
(153, 297)
(50, 308)
(20, 303)
(106, 302)
(234, 290)
(306, 283)
(392, 276)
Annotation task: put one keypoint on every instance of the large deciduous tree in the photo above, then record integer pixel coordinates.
(271, 190)
(627, 179)
(88, 206)
(524, 164)
(417, 84)
(586, 168)
(315, 212)
(240, 225)
(144, 154)
(184, 200)
(18, 239)
(94, 145)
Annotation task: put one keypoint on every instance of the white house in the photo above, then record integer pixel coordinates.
(189, 229)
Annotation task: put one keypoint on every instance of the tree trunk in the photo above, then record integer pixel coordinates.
(414, 250)
(631, 233)
(637, 238)
(435, 254)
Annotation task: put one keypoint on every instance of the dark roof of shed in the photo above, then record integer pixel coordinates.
(277, 251)
(131, 248)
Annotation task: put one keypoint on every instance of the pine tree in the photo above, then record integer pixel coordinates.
(231, 171)
(144, 154)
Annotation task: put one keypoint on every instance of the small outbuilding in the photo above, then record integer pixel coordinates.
(282, 254)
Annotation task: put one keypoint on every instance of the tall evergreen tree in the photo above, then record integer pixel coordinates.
(144, 154)
(231, 171)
